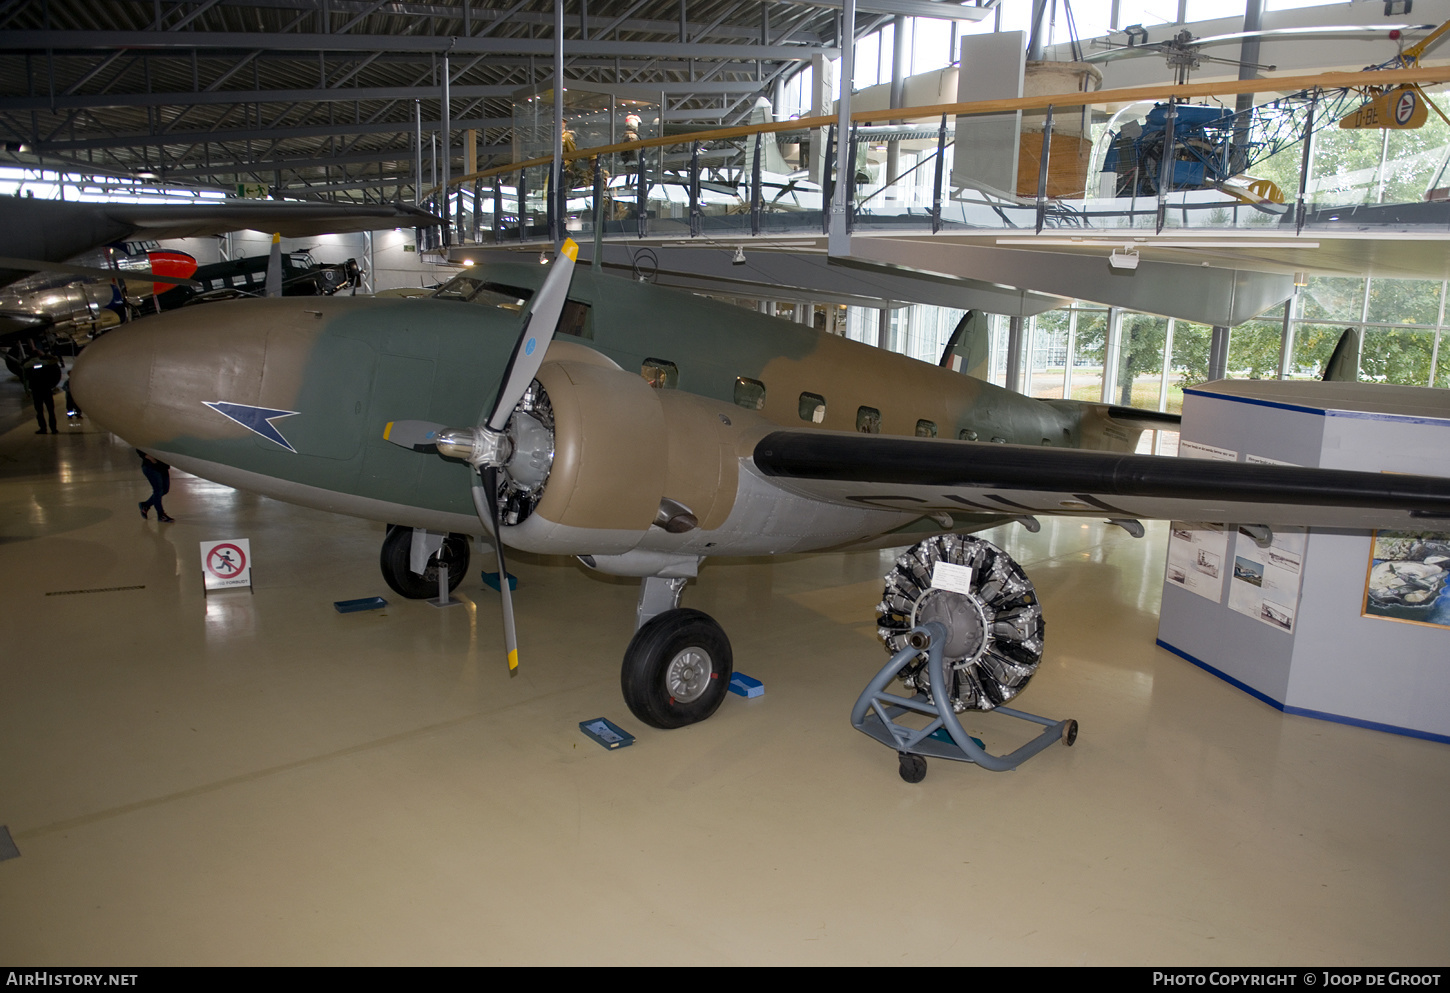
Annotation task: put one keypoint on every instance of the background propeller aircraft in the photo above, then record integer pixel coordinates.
(643, 429)
(40, 235)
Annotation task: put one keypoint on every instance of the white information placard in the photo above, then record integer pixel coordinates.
(226, 564)
(1197, 450)
(950, 577)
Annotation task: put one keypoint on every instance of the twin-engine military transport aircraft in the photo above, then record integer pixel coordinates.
(643, 429)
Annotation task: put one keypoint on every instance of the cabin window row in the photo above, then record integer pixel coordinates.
(663, 374)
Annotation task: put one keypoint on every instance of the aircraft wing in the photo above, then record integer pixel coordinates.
(291, 219)
(36, 233)
(962, 477)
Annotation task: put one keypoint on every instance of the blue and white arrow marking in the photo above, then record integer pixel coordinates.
(255, 419)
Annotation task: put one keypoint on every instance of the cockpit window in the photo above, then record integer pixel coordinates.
(475, 289)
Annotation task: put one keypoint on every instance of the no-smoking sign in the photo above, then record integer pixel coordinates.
(227, 563)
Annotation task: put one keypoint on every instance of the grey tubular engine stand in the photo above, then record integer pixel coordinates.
(876, 711)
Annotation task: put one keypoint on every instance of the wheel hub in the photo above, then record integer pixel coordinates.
(688, 675)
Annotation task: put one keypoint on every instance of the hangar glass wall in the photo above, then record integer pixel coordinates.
(48, 184)
(1089, 352)
(929, 41)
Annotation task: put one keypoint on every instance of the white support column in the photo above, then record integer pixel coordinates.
(1110, 355)
(840, 238)
(1071, 348)
(1167, 366)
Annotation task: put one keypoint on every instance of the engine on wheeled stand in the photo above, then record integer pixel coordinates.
(965, 628)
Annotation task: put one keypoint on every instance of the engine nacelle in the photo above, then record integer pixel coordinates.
(629, 457)
(69, 305)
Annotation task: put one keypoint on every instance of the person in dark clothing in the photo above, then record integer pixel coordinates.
(42, 375)
(72, 409)
(158, 474)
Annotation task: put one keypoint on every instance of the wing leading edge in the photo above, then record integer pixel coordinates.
(933, 475)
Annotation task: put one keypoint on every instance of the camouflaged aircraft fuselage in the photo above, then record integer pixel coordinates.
(291, 397)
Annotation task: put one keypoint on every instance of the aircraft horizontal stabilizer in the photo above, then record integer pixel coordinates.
(290, 218)
(932, 475)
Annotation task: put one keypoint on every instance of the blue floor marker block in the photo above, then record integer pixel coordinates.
(490, 579)
(366, 603)
(746, 686)
(607, 733)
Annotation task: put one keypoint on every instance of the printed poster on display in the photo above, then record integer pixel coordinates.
(1409, 578)
(1265, 584)
(1266, 581)
(226, 564)
(1195, 558)
(1196, 551)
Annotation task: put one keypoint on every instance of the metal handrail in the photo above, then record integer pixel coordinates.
(1284, 84)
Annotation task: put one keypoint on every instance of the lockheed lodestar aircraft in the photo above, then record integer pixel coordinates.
(643, 429)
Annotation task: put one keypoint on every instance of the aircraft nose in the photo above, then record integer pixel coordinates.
(111, 379)
(145, 381)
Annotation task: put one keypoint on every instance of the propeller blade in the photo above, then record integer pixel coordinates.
(534, 336)
(273, 285)
(485, 501)
(420, 436)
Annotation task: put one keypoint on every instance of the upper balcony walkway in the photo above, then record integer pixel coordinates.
(1216, 229)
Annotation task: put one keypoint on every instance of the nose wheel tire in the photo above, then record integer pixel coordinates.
(676, 669)
(402, 580)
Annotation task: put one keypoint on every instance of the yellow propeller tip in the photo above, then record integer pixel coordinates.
(387, 431)
(571, 249)
(513, 660)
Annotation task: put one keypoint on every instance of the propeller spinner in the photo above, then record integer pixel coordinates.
(487, 447)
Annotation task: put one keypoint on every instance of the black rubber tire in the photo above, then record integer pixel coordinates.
(912, 767)
(397, 546)
(1069, 733)
(644, 677)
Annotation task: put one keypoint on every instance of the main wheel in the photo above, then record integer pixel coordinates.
(676, 669)
(397, 549)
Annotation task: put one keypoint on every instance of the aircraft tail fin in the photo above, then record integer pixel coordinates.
(770, 158)
(1343, 364)
(966, 349)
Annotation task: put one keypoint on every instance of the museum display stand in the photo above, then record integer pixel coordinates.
(1289, 622)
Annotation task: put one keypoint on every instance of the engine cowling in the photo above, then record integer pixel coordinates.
(628, 457)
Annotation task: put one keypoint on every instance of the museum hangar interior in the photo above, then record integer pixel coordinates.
(252, 776)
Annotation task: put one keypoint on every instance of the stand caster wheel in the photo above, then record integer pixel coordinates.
(1069, 732)
(913, 767)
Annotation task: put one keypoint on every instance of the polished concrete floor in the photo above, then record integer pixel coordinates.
(255, 778)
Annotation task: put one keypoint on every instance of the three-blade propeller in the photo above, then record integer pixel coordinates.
(487, 447)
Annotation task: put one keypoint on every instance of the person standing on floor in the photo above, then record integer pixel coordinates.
(42, 376)
(158, 474)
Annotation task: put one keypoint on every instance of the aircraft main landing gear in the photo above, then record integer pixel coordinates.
(405, 547)
(676, 669)
(678, 664)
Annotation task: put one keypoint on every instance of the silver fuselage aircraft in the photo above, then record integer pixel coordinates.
(642, 430)
(40, 235)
